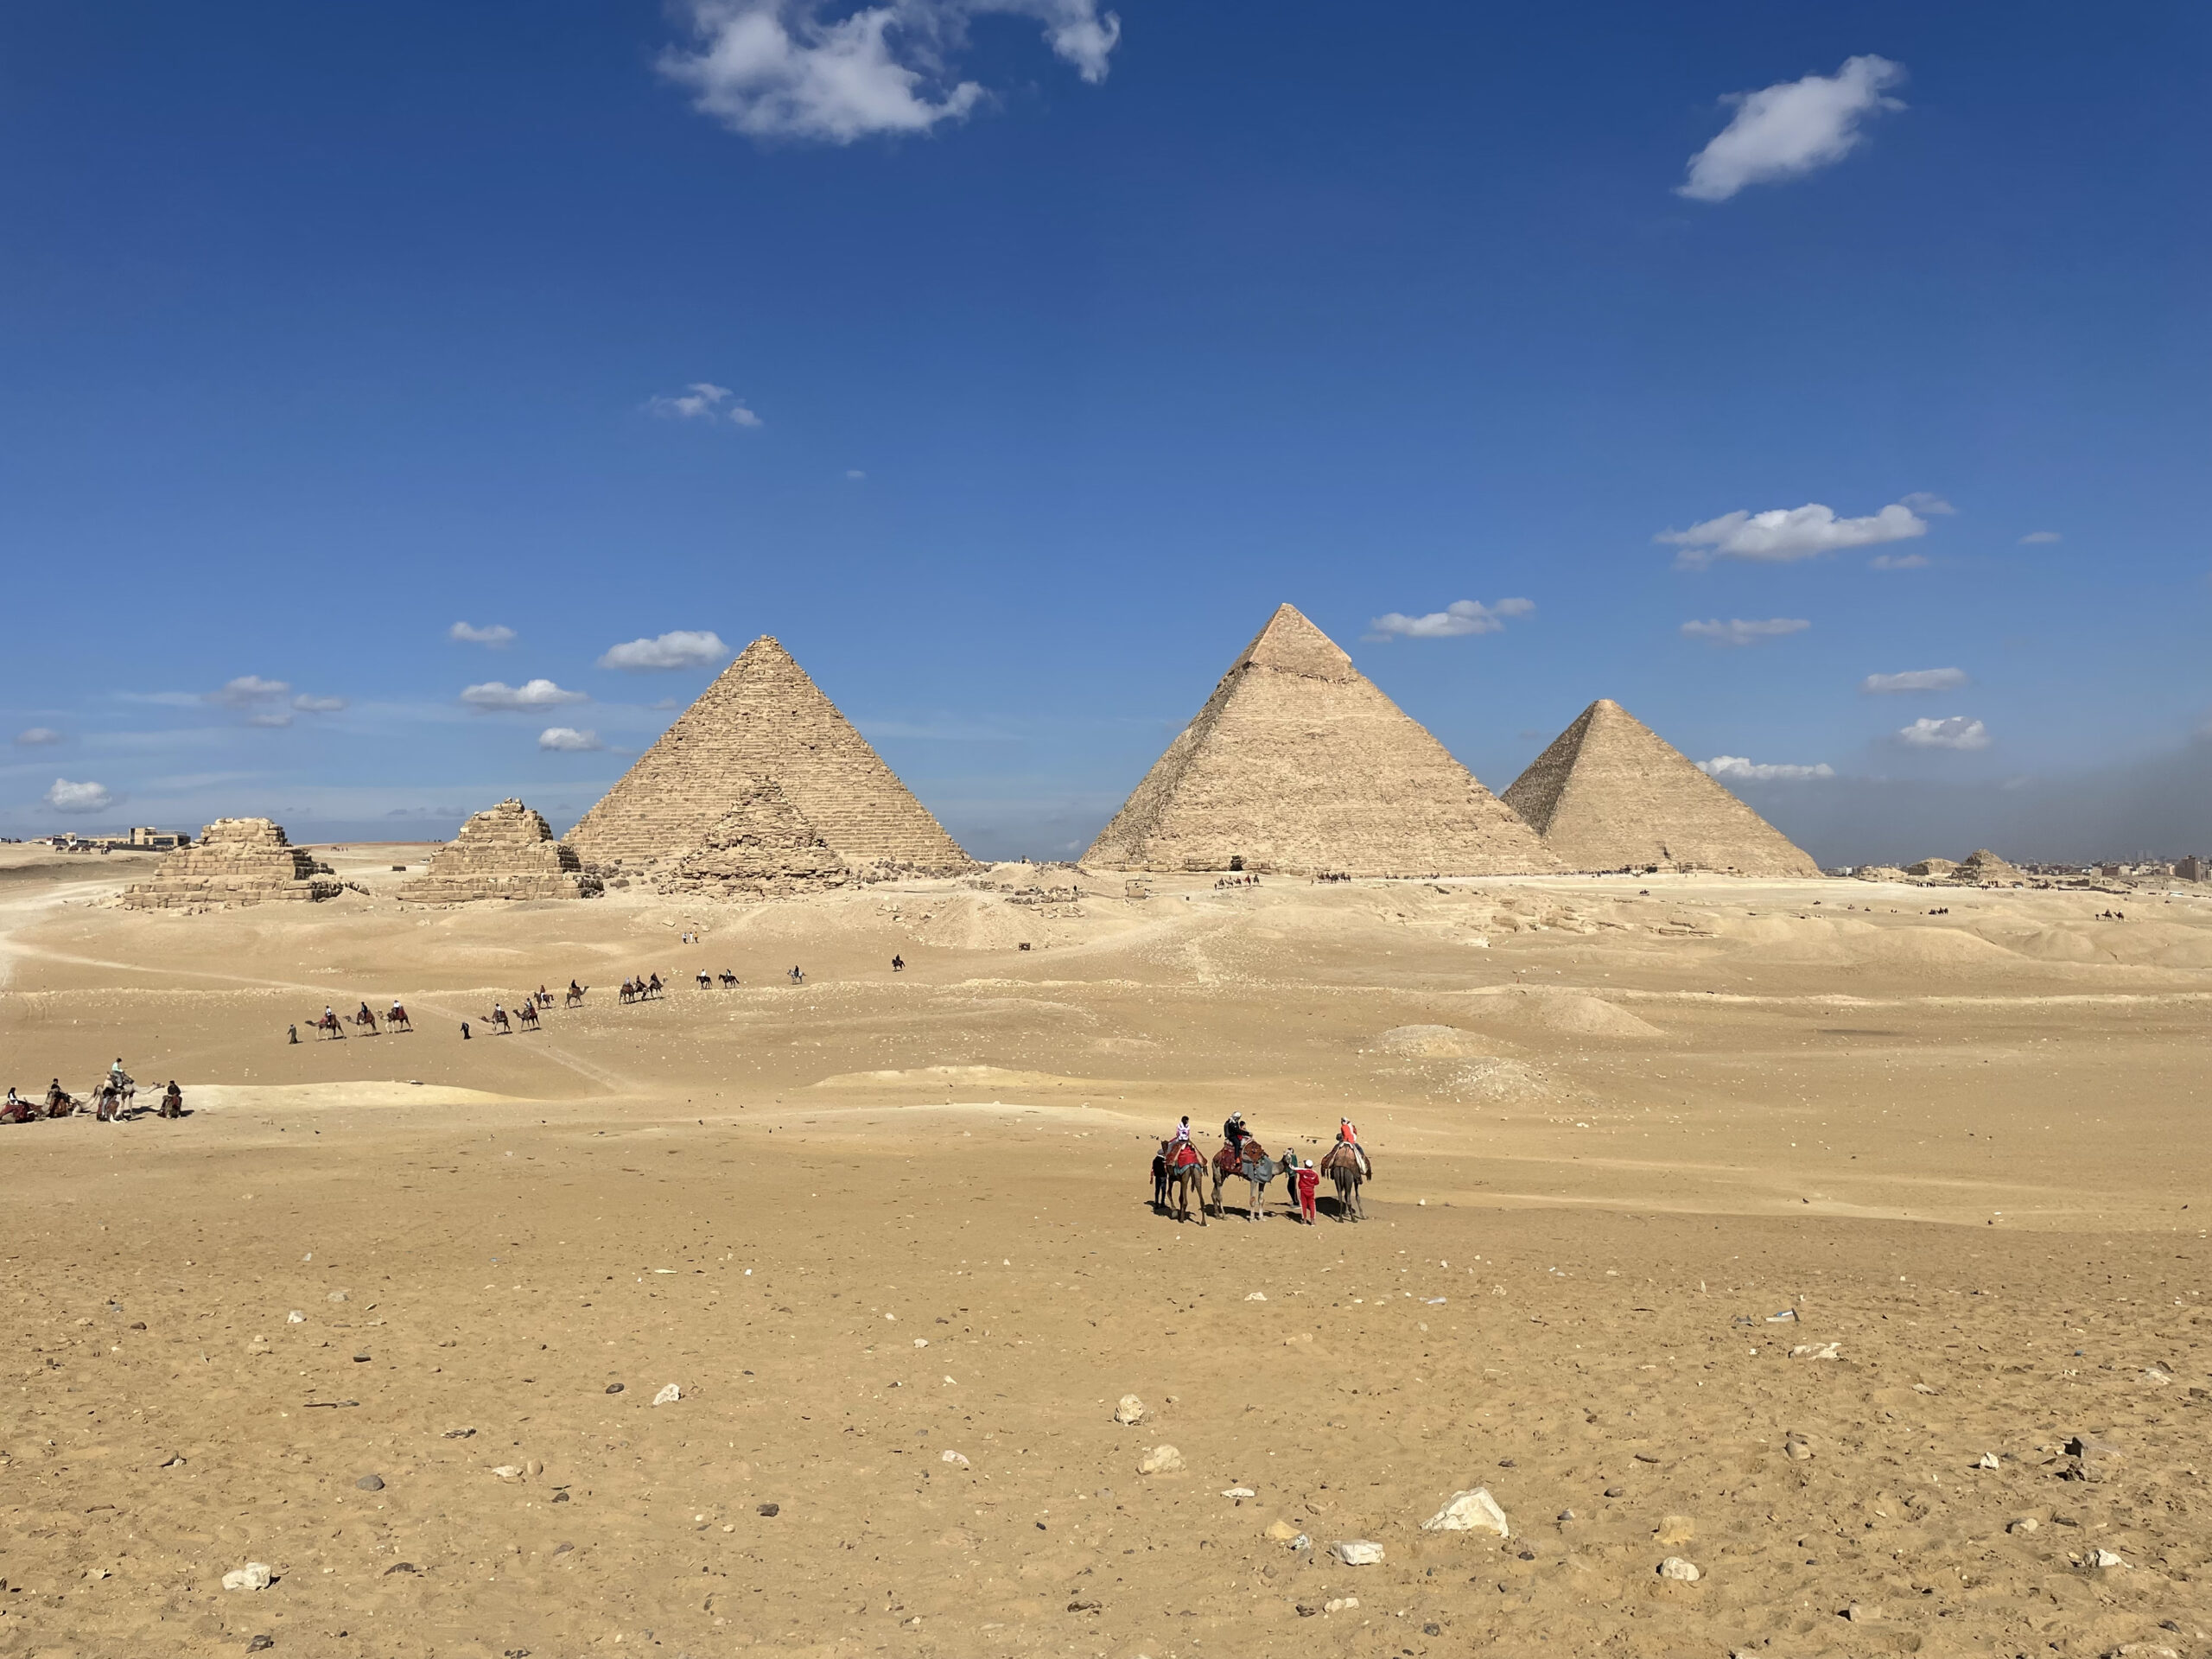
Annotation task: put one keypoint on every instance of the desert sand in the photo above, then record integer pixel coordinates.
(889, 1237)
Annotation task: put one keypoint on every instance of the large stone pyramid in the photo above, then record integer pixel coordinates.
(506, 851)
(1610, 793)
(765, 718)
(763, 847)
(1298, 765)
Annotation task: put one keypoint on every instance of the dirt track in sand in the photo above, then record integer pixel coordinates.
(1614, 1136)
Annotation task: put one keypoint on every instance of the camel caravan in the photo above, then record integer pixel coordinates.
(1178, 1172)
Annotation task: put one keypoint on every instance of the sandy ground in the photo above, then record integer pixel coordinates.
(872, 1221)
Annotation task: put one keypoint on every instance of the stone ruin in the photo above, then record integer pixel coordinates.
(762, 848)
(236, 862)
(504, 852)
(1984, 868)
(1937, 869)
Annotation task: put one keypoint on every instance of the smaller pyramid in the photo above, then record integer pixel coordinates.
(762, 848)
(236, 862)
(1610, 793)
(506, 851)
(763, 717)
(1983, 867)
(1940, 868)
(1299, 765)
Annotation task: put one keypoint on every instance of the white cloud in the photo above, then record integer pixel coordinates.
(249, 691)
(273, 718)
(530, 694)
(1925, 501)
(1742, 769)
(37, 737)
(778, 69)
(566, 740)
(66, 797)
(1782, 534)
(2037, 538)
(1915, 679)
(1738, 631)
(308, 705)
(855, 472)
(1792, 127)
(701, 401)
(1955, 733)
(682, 649)
(1462, 616)
(498, 633)
(1898, 562)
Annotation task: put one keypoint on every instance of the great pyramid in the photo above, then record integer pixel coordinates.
(506, 851)
(236, 862)
(763, 847)
(1610, 793)
(765, 718)
(1298, 765)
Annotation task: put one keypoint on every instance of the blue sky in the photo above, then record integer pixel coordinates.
(1045, 347)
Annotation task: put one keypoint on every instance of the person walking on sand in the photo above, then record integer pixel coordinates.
(1304, 1183)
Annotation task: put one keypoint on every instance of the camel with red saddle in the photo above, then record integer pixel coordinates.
(1248, 1160)
(1185, 1178)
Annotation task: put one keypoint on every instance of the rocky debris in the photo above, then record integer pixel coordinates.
(1340, 1604)
(1988, 1461)
(1160, 1460)
(1680, 1571)
(1610, 793)
(2025, 1524)
(1469, 1512)
(1130, 1409)
(1282, 1531)
(1673, 1529)
(2105, 1558)
(1817, 1350)
(1797, 1448)
(762, 848)
(954, 1457)
(235, 862)
(508, 1471)
(1240, 1493)
(669, 1395)
(1299, 765)
(261, 1644)
(254, 1575)
(771, 1510)
(764, 718)
(1356, 1552)
(371, 1483)
(506, 851)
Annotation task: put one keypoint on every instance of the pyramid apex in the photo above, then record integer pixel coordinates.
(1291, 642)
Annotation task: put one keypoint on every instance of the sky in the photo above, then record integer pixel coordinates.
(406, 406)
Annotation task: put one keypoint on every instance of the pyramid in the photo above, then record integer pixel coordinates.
(1610, 793)
(763, 847)
(765, 718)
(236, 861)
(1298, 765)
(506, 851)
(1984, 868)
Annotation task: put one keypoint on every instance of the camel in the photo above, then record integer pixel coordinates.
(528, 1013)
(1186, 1179)
(575, 999)
(1255, 1165)
(499, 1018)
(365, 1018)
(1348, 1167)
(397, 1020)
(328, 1025)
(628, 992)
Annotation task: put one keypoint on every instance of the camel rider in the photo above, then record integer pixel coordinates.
(1346, 1136)
(117, 1076)
(1183, 1130)
(1234, 1132)
(397, 1009)
(365, 1016)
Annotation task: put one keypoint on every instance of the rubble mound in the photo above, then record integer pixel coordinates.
(235, 862)
(1984, 868)
(504, 852)
(762, 848)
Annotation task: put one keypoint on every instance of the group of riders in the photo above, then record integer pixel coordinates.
(111, 1101)
(1179, 1165)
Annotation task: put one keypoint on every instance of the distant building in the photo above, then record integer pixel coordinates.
(157, 841)
(2110, 872)
(2191, 868)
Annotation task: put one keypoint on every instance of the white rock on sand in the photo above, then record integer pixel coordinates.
(1356, 1552)
(1130, 1410)
(1160, 1460)
(669, 1395)
(254, 1575)
(1679, 1570)
(1469, 1512)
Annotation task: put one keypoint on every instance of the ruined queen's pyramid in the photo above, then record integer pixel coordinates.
(1610, 793)
(1298, 765)
(764, 719)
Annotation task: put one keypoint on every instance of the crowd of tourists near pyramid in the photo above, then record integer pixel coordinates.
(1297, 765)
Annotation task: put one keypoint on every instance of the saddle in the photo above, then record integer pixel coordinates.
(1230, 1163)
(1347, 1158)
(1183, 1155)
